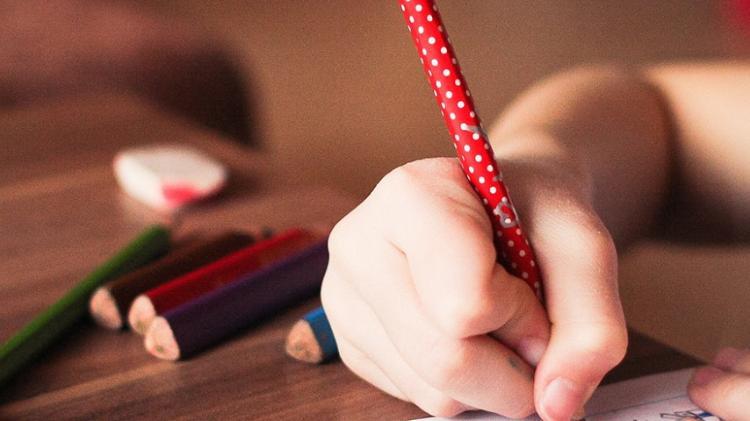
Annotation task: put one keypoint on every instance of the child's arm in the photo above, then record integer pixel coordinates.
(416, 300)
(709, 106)
(685, 127)
(604, 130)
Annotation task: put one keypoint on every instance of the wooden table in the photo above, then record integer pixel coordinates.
(61, 213)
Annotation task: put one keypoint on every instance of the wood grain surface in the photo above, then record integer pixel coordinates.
(61, 214)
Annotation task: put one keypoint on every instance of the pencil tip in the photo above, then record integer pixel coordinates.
(103, 309)
(141, 314)
(302, 345)
(160, 341)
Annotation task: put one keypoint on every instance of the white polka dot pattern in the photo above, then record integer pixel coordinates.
(469, 138)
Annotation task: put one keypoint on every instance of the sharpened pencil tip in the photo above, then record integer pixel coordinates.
(160, 342)
(103, 309)
(141, 314)
(302, 345)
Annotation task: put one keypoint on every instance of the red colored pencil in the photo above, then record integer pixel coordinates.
(469, 138)
(215, 275)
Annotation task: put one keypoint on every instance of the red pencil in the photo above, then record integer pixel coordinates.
(469, 138)
(215, 275)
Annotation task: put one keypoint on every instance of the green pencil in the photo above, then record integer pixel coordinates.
(41, 332)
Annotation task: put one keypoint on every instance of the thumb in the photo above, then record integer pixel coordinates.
(588, 332)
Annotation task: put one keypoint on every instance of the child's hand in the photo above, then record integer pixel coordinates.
(420, 308)
(724, 387)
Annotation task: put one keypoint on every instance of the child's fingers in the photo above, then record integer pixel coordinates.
(579, 265)
(524, 323)
(478, 371)
(437, 221)
(368, 352)
(733, 359)
(724, 394)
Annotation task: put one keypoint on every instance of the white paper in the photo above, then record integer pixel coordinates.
(652, 398)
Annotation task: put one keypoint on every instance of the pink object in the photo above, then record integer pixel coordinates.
(469, 138)
(167, 177)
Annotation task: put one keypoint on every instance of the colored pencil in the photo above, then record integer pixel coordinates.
(215, 275)
(110, 302)
(311, 339)
(48, 326)
(195, 325)
(469, 138)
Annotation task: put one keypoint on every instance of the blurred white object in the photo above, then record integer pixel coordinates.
(167, 177)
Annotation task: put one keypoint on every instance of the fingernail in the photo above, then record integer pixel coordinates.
(531, 349)
(728, 358)
(706, 375)
(562, 398)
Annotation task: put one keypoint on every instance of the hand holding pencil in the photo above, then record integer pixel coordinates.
(419, 305)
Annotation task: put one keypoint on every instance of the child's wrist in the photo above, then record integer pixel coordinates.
(538, 160)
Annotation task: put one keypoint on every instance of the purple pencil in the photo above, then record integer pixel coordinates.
(196, 325)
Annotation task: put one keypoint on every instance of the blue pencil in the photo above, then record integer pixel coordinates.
(311, 339)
